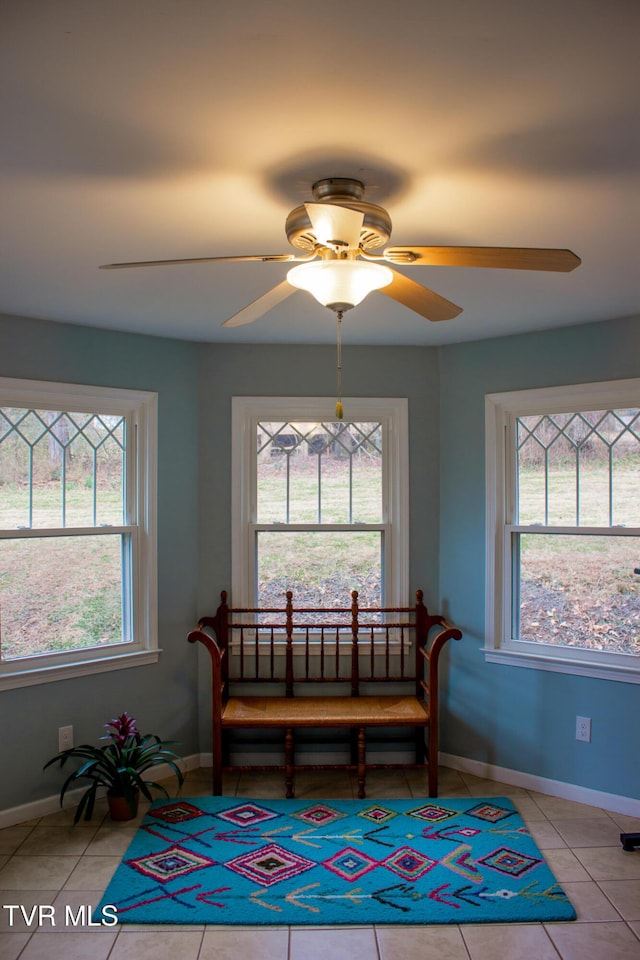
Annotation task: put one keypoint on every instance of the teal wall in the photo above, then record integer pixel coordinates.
(161, 696)
(514, 717)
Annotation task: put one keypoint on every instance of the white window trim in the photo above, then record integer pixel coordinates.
(141, 411)
(500, 411)
(391, 412)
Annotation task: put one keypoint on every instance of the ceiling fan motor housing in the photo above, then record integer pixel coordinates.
(341, 192)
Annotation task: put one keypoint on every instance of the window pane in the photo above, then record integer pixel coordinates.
(579, 469)
(60, 469)
(312, 472)
(320, 567)
(60, 593)
(577, 591)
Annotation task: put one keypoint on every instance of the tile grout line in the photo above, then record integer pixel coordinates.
(377, 942)
(609, 900)
(550, 939)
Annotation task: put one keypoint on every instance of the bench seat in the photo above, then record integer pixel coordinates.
(377, 711)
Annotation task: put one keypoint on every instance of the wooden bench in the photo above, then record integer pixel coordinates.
(271, 666)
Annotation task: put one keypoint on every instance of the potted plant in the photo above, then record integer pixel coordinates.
(118, 766)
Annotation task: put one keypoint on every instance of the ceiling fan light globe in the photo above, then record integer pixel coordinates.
(340, 282)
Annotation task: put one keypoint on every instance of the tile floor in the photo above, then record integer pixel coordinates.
(50, 862)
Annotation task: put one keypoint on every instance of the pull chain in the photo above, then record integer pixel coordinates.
(339, 410)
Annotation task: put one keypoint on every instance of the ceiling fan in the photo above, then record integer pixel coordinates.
(340, 237)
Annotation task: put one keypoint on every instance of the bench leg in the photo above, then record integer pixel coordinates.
(288, 763)
(217, 751)
(362, 762)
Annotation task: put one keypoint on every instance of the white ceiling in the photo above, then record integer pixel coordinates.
(154, 129)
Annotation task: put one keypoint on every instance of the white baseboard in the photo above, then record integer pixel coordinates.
(38, 808)
(46, 805)
(630, 806)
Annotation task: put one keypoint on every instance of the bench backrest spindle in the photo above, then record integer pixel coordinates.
(289, 652)
(355, 666)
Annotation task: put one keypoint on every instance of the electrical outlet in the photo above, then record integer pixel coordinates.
(65, 738)
(583, 729)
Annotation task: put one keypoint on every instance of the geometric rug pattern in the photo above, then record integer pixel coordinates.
(224, 860)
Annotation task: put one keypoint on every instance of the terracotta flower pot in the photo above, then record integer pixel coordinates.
(123, 808)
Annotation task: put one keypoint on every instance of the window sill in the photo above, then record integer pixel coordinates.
(556, 664)
(83, 668)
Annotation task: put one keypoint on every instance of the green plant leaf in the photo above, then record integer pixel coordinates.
(87, 800)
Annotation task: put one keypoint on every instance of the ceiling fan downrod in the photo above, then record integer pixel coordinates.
(339, 408)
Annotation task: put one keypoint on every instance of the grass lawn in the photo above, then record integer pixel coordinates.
(65, 593)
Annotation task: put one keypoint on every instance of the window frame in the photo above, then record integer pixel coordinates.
(139, 408)
(501, 411)
(390, 412)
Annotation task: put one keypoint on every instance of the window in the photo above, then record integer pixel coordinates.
(319, 505)
(563, 529)
(77, 530)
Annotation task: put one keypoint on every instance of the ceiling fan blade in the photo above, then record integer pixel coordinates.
(261, 305)
(502, 258)
(265, 258)
(420, 299)
(334, 225)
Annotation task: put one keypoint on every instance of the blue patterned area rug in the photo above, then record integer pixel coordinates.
(227, 860)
